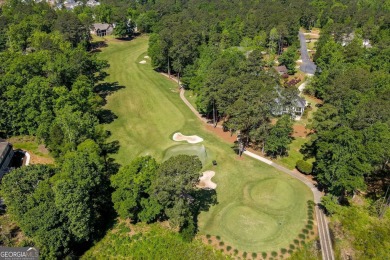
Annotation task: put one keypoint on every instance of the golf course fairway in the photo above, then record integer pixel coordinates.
(259, 208)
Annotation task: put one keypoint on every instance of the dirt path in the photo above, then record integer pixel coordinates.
(323, 229)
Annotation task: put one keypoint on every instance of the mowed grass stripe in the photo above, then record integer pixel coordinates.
(141, 115)
(150, 110)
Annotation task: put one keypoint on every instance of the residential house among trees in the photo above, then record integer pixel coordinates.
(295, 108)
(282, 70)
(102, 29)
(6, 153)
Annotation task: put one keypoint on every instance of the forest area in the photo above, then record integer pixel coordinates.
(224, 51)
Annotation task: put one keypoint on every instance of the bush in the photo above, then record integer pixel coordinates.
(264, 254)
(274, 254)
(209, 241)
(290, 251)
(188, 231)
(296, 241)
(302, 236)
(228, 248)
(309, 227)
(244, 254)
(283, 250)
(292, 247)
(221, 243)
(305, 231)
(235, 251)
(218, 237)
(254, 255)
(304, 167)
(208, 236)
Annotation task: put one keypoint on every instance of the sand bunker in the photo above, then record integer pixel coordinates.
(142, 61)
(146, 57)
(205, 181)
(192, 139)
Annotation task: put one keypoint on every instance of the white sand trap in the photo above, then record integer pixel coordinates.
(146, 57)
(192, 139)
(142, 61)
(205, 181)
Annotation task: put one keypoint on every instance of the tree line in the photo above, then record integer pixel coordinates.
(352, 128)
(64, 209)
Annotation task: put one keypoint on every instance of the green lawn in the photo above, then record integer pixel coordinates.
(191, 97)
(293, 153)
(259, 208)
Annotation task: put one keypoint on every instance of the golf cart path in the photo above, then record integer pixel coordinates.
(322, 222)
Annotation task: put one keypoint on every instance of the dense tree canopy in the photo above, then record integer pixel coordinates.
(354, 83)
(132, 186)
(146, 191)
(60, 207)
(47, 77)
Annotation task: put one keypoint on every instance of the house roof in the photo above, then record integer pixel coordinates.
(92, 3)
(300, 102)
(4, 148)
(281, 69)
(101, 26)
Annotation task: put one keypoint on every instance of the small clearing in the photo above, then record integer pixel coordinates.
(192, 139)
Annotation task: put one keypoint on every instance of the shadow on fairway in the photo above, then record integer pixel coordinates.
(106, 116)
(105, 89)
(204, 199)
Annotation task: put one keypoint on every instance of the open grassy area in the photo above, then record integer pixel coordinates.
(191, 97)
(259, 208)
(293, 153)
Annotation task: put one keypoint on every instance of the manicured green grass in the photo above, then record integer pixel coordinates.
(293, 153)
(189, 149)
(259, 208)
(191, 97)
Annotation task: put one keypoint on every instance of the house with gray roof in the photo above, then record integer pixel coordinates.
(6, 153)
(92, 3)
(281, 70)
(295, 108)
(102, 29)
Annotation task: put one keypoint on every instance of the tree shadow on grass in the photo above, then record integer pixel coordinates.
(96, 45)
(106, 116)
(105, 89)
(203, 200)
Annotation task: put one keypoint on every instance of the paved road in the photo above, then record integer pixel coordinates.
(323, 230)
(307, 65)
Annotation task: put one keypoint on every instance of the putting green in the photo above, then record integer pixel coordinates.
(240, 222)
(259, 208)
(274, 194)
(188, 149)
